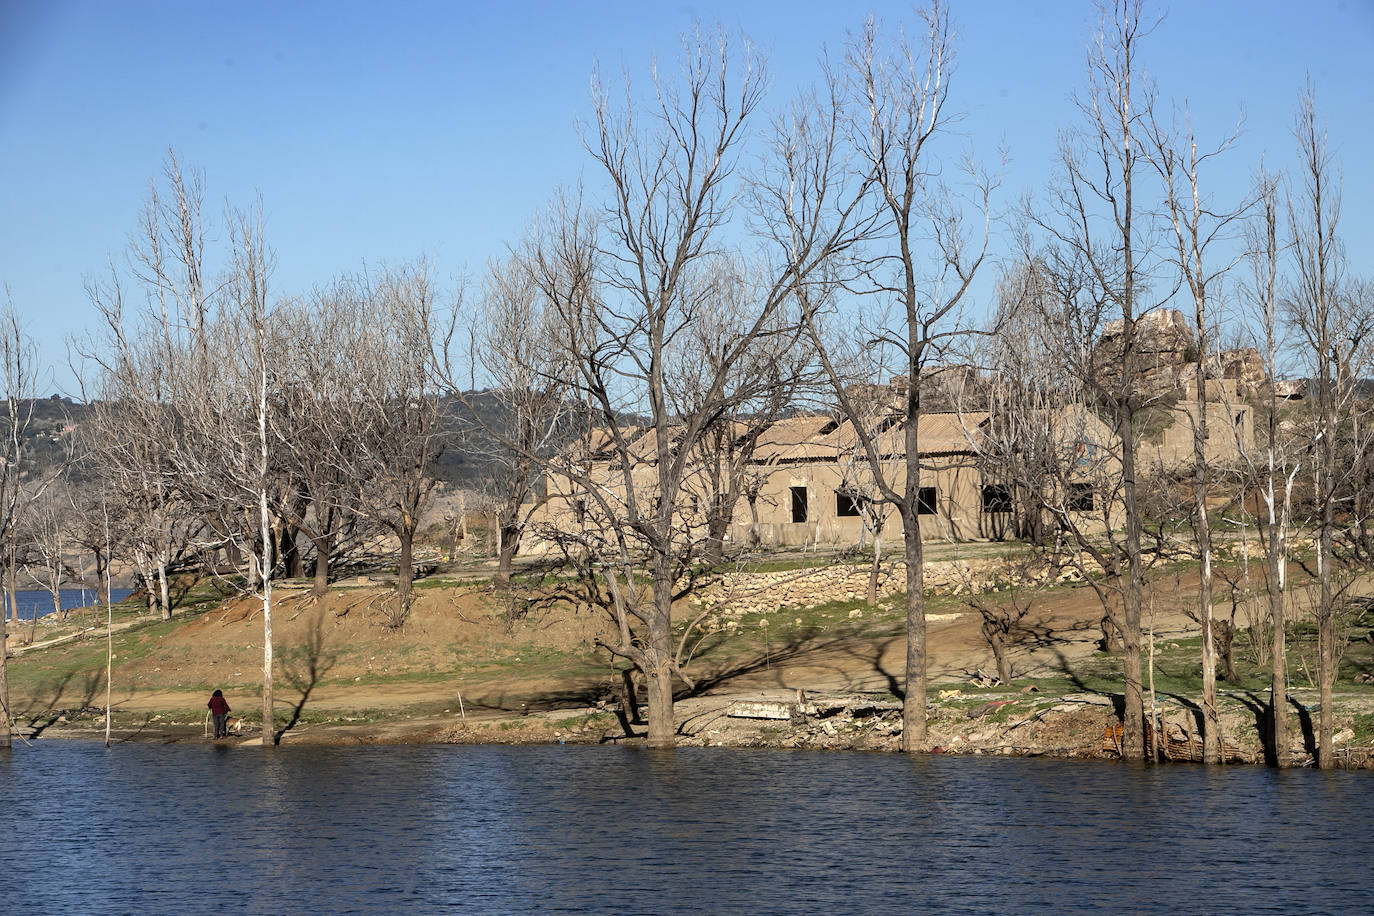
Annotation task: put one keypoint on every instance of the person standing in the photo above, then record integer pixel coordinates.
(219, 709)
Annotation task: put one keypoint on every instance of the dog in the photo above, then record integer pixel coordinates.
(232, 725)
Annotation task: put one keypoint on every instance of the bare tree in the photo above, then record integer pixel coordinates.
(1099, 249)
(1275, 459)
(1335, 329)
(774, 367)
(397, 414)
(515, 343)
(628, 289)
(51, 542)
(191, 374)
(314, 424)
(132, 425)
(1200, 228)
(900, 102)
(16, 364)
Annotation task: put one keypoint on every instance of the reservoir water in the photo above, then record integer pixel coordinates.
(31, 601)
(425, 829)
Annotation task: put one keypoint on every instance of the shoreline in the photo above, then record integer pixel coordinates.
(1072, 726)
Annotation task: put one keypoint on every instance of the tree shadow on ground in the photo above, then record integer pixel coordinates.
(1076, 679)
(1263, 711)
(60, 700)
(304, 668)
(794, 648)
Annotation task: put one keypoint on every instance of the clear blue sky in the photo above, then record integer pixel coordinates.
(381, 131)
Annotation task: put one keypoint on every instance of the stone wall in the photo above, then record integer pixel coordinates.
(738, 594)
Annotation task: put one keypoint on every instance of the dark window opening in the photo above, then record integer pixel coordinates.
(799, 504)
(847, 505)
(1081, 497)
(926, 501)
(887, 424)
(996, 498)
(580, 511)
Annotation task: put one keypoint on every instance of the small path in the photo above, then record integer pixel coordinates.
(78, 635)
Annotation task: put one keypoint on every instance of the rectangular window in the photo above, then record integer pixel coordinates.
(1081, 497)
(580, 511)
(996, 498)
(799, 504)
(846, 505)
(926, 501)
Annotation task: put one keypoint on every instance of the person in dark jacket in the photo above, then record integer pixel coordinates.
(219, 709)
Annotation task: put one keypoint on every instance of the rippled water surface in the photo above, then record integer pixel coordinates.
(199, 829)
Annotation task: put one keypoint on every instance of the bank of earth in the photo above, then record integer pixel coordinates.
(475, 664)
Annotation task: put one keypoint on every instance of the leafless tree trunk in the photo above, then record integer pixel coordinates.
(1335, 326)
(626, 290)
(1097, 232)
(901, 98)
(397, 405)
(1198, 228)
(16, 364)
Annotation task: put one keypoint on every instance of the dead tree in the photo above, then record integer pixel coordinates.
(1200, 228)
(16, 374)
(899, 95)
(1274, 460)
(627, 288)
(396, 414)
(1334, 327)
(1099, 250)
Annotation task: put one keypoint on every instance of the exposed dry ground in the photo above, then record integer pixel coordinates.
(462, 670)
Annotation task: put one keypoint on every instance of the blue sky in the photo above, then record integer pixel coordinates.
(383, 131)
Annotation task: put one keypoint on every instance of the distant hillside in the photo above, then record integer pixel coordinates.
(51, 433)
(54, 425)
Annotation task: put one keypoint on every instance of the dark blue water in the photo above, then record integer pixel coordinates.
(40, 601)
(200, 829)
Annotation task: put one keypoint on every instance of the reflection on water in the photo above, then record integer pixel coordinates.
(576, 829)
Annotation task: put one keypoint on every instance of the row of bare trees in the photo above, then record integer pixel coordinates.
(722, 266)
(1134, 222)
(230, 428)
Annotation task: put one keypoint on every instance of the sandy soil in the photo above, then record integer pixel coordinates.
(460, 670)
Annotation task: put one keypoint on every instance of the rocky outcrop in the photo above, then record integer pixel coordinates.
(1166, 356)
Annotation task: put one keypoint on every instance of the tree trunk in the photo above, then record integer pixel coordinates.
(405, 575)
(658, 654)
(1326, 610)
(269, 725)
(875, 570)
(999, 654)
(1326, 672)
(232, 554)
(629, 698)
(510, 545)
(1278, 684)
(164, 592)
(1211, 727)
(914, 704)
(717, 525)
(292, 560)
(4, 684)
(11, 588)
(662, 728)
(1133, 737)
(1224, 635)
(323, 550)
